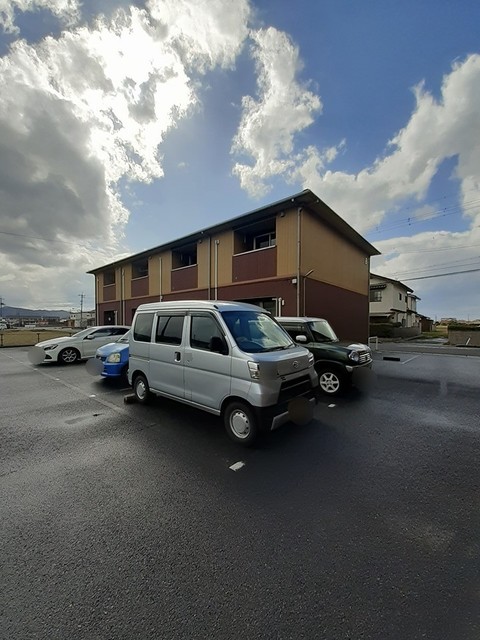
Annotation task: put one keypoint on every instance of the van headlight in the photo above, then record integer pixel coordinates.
(354, 355)
(254, 369)
(311, 359)
(113, 357)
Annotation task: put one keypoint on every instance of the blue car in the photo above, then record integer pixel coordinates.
(114, 356)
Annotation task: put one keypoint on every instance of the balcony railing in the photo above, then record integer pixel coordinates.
(254, 265)
(184, 278)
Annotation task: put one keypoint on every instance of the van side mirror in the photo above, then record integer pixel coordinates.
(217, 345)
(301, 338)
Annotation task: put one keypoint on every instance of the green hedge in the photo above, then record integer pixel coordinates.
(464, 327)
(383, 329)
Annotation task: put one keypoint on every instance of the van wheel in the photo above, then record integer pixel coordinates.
(141, 389)
(331, 381)
(241, 423)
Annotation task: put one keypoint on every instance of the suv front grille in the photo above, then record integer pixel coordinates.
(365, 357)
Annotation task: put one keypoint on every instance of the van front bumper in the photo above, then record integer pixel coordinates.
(298, 410)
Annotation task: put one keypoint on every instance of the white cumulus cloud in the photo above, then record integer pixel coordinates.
(84, 111)
(67, 11)
(284, 107)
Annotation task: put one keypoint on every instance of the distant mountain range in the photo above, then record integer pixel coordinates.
(19, 312)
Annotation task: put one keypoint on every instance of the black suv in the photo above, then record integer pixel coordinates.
(336, 364)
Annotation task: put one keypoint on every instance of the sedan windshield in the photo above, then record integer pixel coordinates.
(255, 331)
(124, 338)
(322, 331)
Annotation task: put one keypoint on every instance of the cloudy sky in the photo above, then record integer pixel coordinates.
(115, 115)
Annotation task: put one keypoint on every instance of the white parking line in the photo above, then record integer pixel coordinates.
(237, 466)
(410, 359)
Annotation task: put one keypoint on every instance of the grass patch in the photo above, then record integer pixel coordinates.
(29, 337)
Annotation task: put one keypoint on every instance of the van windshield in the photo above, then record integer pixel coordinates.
(255, 331)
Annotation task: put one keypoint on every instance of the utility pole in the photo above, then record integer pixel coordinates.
(81, 296)
(1, 307)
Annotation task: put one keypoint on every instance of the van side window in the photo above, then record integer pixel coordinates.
(169, 330)
(202, 330)
(142, 331)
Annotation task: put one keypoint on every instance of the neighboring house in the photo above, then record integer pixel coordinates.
(82, 319)
(393, 302)
(293, 257)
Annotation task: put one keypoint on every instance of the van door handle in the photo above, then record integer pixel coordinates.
(178, 356)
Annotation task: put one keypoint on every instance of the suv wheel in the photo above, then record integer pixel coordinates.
(331, 381)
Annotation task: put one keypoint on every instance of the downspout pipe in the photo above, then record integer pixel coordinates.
(209, 268)
(217, 242)
(160, 294)
(299, 246)
(122, 295)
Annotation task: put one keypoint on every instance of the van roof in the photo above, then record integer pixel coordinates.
(219, 305)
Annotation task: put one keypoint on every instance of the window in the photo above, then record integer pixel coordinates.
(256, 236)
(169, 330)
(265, 240)
(202, 330)
(102, 333)
(399, 296)
(109, 277)
(140, 268)
(375, 295)
(184, 257)
(143, 327)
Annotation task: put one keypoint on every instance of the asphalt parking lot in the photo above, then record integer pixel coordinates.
(124, 521)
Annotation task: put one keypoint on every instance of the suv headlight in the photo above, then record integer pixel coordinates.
(254, 369)
(50, 347)
(354, 355)
(113, 357)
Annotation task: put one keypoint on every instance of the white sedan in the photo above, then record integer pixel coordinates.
(79, 346)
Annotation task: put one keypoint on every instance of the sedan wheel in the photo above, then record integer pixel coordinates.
(68, 355)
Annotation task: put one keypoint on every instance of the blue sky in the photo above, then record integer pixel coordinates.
(110, 126)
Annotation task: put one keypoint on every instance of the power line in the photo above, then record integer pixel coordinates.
(440, 275)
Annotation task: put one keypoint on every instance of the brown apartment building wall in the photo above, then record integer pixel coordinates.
(347, 311)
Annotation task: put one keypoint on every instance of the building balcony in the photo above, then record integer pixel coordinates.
(140, 287)
(184, 278)
(254, 265)
(109, 292)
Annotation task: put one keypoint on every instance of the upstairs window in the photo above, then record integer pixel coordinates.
(375, 295)
(140, 268)
(184, 257)
(261, 235)
(109, 277)
(265, 240)
(399, 296)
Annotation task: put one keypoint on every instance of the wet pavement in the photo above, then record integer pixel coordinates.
(124, 521)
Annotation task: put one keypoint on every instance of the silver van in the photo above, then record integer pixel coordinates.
(228, 358)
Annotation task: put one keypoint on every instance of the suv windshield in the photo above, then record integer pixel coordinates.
(322, 331)
(255, 331)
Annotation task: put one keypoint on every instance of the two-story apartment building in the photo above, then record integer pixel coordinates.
(293, 257)
(393, 302)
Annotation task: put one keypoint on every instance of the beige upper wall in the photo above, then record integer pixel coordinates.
(160, 263)
(334, 259)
